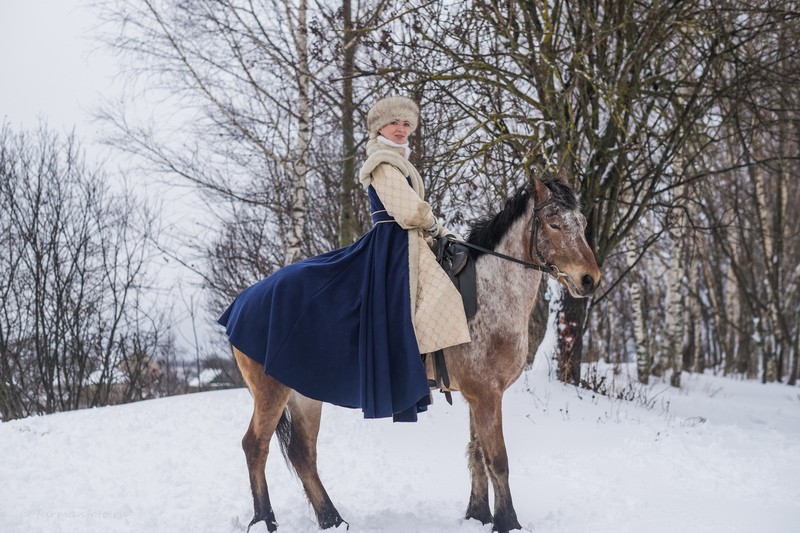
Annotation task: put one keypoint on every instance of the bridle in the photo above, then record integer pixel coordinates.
(533, 244)
(533, 247)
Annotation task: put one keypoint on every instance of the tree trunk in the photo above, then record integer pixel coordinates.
(293, 252)
(695, 318)
(794, 354)
(644, 359)
(537, 323)
(768, 330)
(674, 311)
(733, 314)
(569, 348)
(347, 231)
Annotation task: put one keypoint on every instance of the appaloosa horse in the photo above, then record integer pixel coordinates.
(541, 226)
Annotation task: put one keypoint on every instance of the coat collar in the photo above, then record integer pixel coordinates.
(373, 146)
(379, 153)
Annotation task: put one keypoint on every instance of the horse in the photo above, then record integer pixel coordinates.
(542, 228)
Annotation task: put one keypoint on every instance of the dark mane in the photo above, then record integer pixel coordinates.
(488, 232)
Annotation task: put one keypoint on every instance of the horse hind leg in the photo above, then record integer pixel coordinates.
(297, 434)
(269, 398)
(256, 449)
(478, 507)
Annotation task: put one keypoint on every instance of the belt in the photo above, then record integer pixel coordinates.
(381, 216)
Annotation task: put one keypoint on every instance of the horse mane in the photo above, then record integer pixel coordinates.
(487, 232)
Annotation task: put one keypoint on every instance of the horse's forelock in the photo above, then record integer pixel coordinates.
(561, 193)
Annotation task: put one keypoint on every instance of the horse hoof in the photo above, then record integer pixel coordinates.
(272, 525)
(506, 528)
(333, 522)
(483, 517)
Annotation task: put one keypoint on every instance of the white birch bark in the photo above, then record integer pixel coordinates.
(300, 167)
(732, 312)
(644, 358)
(692, 307)
(676, 269)
(768, 340)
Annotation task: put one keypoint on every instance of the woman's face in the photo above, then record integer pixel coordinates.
(396, 131)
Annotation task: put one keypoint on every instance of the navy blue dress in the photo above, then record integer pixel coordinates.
(338, 327)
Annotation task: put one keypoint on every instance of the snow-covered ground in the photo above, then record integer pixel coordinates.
(720, 455)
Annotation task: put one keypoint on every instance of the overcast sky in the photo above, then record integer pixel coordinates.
(52, 66)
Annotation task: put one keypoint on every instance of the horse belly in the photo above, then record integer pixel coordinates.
(495, 360)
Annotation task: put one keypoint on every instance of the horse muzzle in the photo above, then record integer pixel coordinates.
(588, 283)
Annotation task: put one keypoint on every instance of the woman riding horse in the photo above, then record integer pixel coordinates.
(348, 327)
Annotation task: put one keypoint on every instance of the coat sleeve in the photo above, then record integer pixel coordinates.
(400, 200)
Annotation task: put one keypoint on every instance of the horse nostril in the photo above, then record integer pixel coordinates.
(588, 282)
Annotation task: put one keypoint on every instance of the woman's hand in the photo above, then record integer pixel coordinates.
(434, 229)
(444, 232)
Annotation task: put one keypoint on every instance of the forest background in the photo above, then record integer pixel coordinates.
(678, 123)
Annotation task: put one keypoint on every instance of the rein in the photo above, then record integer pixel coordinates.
(533, 246)
(548, 269)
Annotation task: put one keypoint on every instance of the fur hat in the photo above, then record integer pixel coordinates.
(390, 108)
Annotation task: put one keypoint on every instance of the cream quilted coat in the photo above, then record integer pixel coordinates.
(439, 319)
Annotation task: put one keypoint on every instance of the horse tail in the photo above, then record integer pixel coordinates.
(284, 432)
(297, 433)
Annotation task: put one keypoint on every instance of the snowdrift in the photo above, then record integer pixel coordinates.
(720, 455)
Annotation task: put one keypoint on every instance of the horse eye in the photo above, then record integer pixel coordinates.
(555, 226)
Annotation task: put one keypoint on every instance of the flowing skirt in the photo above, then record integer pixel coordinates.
(338, 327)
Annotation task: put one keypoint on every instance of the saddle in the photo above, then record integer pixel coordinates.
(455, 260)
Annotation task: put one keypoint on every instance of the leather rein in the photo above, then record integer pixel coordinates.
(533, 247)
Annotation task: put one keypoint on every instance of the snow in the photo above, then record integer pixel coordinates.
(98, 376)
(720, 455)
(206, 377)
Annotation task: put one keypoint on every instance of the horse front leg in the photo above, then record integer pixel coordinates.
(478, 507)
(488, 421)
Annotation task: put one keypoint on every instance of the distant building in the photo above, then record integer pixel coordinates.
(211, 379)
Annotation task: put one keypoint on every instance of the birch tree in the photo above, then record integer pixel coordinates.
(298, 28)
(644, 355)
(246, 72)
(677, 270)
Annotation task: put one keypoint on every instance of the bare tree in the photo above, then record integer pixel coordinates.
(73, 261)
(677, 122)
(725, 237)
(579, 88)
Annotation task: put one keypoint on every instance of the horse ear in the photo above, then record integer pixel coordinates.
(541, 190)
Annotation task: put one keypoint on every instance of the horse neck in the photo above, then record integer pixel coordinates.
(510, 288)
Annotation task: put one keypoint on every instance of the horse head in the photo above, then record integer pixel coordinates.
(558, 240)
